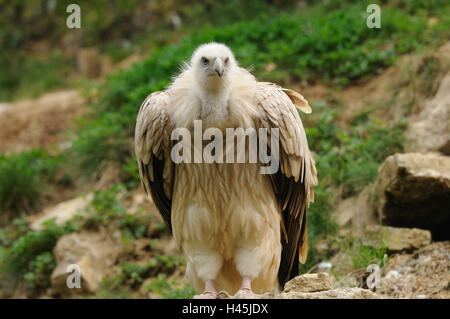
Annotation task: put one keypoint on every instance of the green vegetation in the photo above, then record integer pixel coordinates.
(31, 58)
(26, 254)
(135, 274)
(326, 40)
(32, 33)
(41, 74)
(107, 209)
(23, 178)
(169, 290)
(346, 161)
(350, 158)
(131, 276)
(17, 228)
(363, 255)
(40, 270)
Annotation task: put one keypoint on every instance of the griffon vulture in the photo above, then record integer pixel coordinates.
(240, 230)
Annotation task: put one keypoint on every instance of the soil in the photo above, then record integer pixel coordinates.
(40, 123)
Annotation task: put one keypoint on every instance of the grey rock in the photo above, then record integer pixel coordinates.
(414, 191)
(430, 131)
(397, 239)
(310, 283)
(95, 255)
(339, 293)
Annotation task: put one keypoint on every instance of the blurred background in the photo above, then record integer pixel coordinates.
(69, 184)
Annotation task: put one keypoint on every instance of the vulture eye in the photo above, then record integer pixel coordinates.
(204, 61)
(226, 60)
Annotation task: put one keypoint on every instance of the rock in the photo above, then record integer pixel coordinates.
(339, 293)
(413, 191)
(392, 274)
(310, 283)
(431, 130)
(357, 211)
(422, 273)
(94, 253)
(396, 239)
(62, 212)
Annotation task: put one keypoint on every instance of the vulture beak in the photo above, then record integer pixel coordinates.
(218, 67)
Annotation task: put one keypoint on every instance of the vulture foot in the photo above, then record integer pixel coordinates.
(206, 295)
(246, 293)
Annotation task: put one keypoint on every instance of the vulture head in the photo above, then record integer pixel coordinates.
(213, 64)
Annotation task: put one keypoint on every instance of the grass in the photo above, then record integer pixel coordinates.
(350, 159)
(28, 256)
(40, 270)
(429, 74)
(363, 255)
(151, 277)
(107, 210)
(347, 161)
(13, 231)
(32, 61)
(23, 178)
(325, 40)
(23, 76)
(169, 290)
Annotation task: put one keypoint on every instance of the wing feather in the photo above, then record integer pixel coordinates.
(294, 181)
(152, 147)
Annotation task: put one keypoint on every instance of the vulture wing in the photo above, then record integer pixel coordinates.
(153, 146)
(294, 181)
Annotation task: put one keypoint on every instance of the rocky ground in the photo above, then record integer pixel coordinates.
(39, 123)
(424, 273)
(320, 286)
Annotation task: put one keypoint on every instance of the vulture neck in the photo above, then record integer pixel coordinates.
(214, 104)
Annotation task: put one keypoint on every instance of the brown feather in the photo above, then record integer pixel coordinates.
(152, 140)
(292, 189)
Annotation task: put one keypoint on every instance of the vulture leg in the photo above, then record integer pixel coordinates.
(245, 292)
(210, 291)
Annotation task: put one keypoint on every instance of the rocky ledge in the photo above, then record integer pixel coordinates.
(320, 286)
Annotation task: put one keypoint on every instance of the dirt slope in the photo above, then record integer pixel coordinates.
(39, 123)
